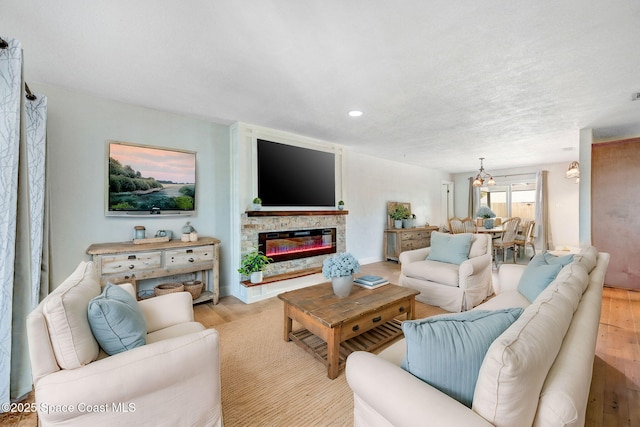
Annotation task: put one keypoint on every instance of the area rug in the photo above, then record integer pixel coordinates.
(269, 382)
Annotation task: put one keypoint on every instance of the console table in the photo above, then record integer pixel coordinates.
(397, 240)
(129, 262)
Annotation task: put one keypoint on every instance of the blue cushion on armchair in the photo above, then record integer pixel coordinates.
(450, 248)
(116, 320)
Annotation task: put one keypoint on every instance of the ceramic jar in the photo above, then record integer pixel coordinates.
(342, 285)
(139, 232)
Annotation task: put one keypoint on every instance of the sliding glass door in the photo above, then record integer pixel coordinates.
(508, 199)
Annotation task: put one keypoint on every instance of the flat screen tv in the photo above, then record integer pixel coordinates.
(146, 180)
(294, 176)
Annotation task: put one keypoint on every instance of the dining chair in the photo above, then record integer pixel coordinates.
(525, 236)
(456, 226)
(469, 225)
(506, 239)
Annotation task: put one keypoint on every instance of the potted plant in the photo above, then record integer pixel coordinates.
(341, 205)
(398, 214)
(340, 268)
(257, 203)
(408, 222)
(488, 215)
(253, 264)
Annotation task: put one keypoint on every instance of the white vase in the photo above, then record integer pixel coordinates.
(342, 285)
(256, 277)
(397, 223)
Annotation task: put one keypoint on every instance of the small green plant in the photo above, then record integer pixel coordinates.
(252, 262)
(485, 212)
(400, 212)
(257, 200)
(341, 202)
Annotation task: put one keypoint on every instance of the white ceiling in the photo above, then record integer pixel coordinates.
(441, 83)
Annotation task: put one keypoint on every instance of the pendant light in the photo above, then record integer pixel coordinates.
(482, 176)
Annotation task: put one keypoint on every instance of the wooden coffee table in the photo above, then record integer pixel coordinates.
(332, 327)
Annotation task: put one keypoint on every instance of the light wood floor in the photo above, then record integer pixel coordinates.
(614, 398)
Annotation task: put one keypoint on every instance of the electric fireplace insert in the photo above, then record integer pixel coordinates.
(294, 244)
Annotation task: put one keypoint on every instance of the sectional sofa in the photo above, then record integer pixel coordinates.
(537, 372)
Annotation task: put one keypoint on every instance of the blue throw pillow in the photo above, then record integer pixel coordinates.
(447, 351)
(450, 248)
(540, 272)
(535, 279)
(562, 260)
(116, 320)
(538, 260)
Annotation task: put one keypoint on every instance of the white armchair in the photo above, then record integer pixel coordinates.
(172, 380)
(451, 286)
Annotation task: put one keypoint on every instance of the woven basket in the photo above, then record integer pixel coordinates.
(194, 287)
(168, 288)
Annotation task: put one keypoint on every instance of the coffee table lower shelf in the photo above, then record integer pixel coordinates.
(370, 340)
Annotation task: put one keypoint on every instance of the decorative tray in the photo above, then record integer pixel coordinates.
(150, 240)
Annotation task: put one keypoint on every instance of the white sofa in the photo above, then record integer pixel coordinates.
(537, 372)
(172, 380)
(453, 287)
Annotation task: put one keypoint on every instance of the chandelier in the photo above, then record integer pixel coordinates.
(482, 176)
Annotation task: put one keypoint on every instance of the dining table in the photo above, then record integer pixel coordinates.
(495, 231)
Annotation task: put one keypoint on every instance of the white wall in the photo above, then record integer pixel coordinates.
(563, 200)
(370, 183)
(77, 128)
(367, 184)
(564, 206)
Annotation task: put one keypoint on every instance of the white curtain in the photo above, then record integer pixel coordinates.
(23, 225)
(474, 199)
(543, 232)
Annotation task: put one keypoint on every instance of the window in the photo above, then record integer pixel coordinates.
(511, 199)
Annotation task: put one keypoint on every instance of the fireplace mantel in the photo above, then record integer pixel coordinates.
(296, 213)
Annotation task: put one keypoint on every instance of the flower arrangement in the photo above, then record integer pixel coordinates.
(339, 265)
(485, 212)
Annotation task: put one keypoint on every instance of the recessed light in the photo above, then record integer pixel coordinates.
(355, 113)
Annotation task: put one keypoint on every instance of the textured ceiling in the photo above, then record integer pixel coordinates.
(441, 83)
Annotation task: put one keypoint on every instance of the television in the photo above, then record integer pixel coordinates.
(146, 180)
(294, 176)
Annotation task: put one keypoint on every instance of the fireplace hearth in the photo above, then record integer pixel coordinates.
(295, 244)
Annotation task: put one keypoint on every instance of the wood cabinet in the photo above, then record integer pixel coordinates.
(397, 240)
(128, 262)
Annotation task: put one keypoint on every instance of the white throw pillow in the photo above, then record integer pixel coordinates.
(65, 311)
(587, 258)
(479, 245)
(517, 363)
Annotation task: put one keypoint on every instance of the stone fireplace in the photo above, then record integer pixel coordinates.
(296, 240)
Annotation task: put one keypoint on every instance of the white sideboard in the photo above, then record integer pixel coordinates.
(128, 262)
